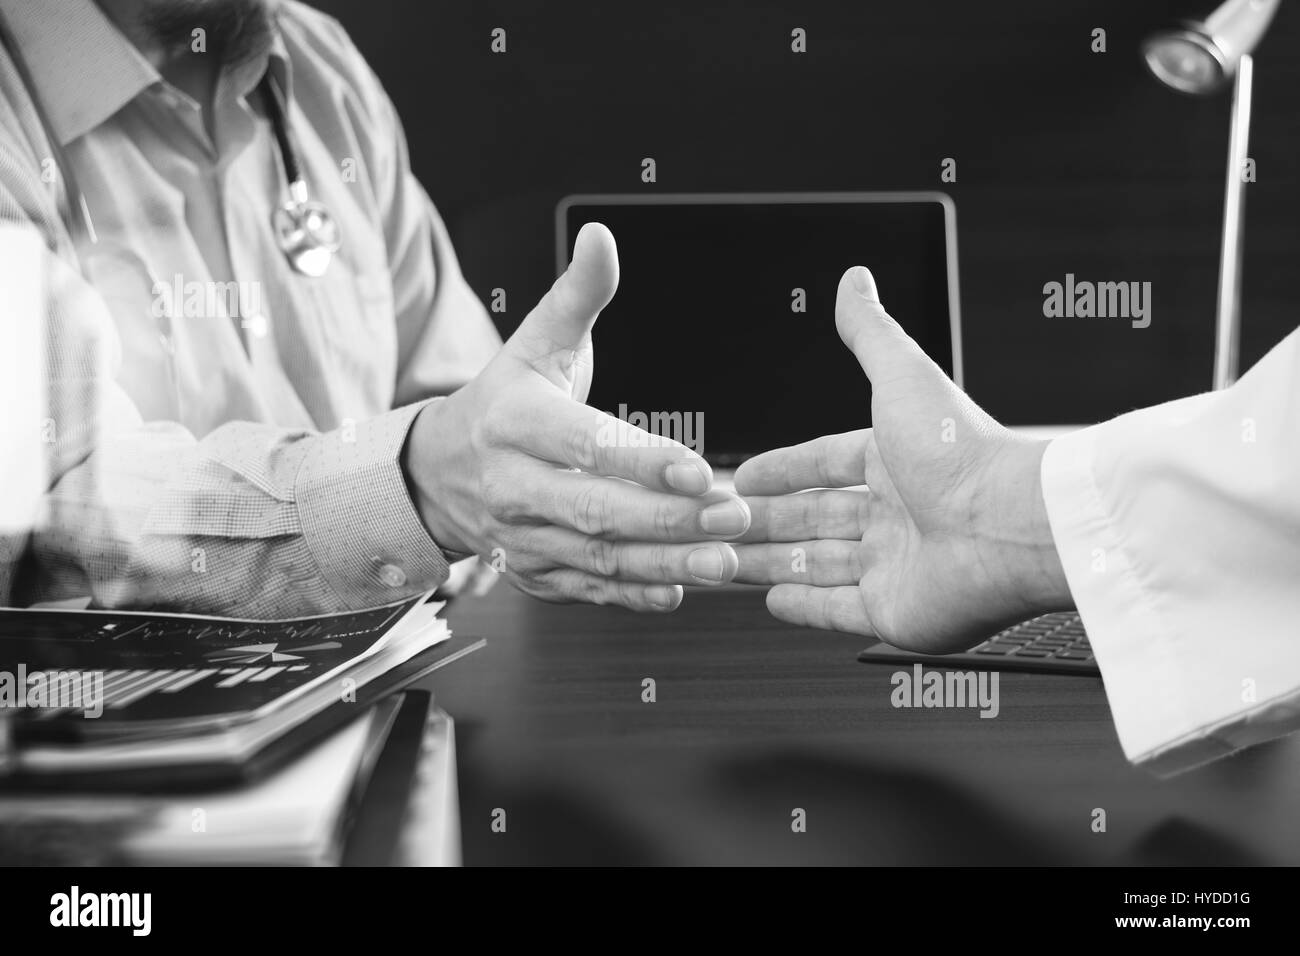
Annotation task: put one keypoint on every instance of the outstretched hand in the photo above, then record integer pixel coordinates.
(560, 498)
(947, 542)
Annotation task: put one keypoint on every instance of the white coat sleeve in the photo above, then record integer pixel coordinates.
(1179, 530)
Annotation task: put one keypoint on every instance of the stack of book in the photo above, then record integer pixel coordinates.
(162, 738)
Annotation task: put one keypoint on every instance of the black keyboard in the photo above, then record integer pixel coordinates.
(1051, 644)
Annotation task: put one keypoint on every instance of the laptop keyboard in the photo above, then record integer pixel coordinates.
(1053, 636)
(1051, 644)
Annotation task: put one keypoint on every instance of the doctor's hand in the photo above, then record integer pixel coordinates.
(568, 503)
(948, 542)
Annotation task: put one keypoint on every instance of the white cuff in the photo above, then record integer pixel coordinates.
(1168, 684)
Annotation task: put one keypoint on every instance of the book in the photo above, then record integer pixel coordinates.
(107, 699)
(297, 815)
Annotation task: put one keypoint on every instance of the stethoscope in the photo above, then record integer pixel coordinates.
(304, 228)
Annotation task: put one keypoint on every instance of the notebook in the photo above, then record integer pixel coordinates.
(114, 699)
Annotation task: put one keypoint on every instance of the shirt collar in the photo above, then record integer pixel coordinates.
(85, 69)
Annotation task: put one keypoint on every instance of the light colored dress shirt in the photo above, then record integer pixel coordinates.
(226, 433)
(1179, 530)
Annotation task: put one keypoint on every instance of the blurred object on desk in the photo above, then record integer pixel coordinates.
(25, 428)
(411, 812)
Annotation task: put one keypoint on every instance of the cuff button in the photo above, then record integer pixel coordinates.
(392, 575)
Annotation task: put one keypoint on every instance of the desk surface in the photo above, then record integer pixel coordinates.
(754, 719)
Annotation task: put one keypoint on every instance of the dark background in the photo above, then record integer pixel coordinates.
(1067, 161)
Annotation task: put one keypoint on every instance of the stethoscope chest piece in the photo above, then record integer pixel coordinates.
(304, 229)
(306, 232)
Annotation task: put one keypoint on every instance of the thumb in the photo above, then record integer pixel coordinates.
(880, 344)
(562, 320)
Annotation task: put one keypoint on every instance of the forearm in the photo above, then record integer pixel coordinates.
(252, 521)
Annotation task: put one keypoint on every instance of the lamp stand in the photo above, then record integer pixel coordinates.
(1227, 323)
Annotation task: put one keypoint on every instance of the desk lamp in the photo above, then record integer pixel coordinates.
(1198, 58)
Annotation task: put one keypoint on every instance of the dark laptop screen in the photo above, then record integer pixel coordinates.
(704, 336)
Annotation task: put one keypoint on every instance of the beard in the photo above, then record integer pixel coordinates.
(233, 30)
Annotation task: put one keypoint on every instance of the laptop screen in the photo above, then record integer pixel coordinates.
(722, 334)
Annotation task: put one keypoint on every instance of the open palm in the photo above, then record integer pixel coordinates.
(926, 530)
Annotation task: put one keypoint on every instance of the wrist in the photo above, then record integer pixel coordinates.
(1033, 574)
(423, 479)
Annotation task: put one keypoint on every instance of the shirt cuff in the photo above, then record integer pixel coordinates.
(1135, 642)
(357, 516)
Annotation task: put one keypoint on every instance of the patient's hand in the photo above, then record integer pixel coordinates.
(563, 500)
(948, 542)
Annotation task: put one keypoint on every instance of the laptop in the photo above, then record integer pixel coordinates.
(722, 335)
(723, 329)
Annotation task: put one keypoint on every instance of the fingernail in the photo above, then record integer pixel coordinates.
(726, 517)
(864, 283)
(705, 564)
(663, 598)
(688, 477)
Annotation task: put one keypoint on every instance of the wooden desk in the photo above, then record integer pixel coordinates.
(754, 719)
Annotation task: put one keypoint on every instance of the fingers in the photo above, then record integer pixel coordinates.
(825, 529)
(832, 461)
(882, 348)
(568, 433)
(705, 563)
(807, 515)
(608, 507)
(820, 563)
(571, 585)
(562, 320)
(832, 609)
